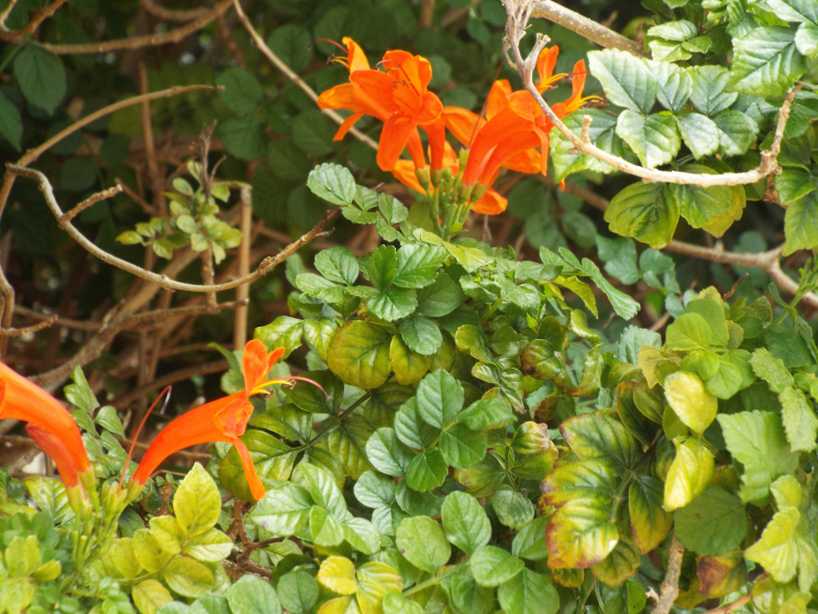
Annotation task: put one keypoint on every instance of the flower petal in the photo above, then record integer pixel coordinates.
(394, 137)
(253, 481)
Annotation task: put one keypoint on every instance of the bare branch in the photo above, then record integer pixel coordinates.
(84, 325)
(157, 10)
(33, 154)
(586, 28)
(4, 15)
(171, 378)
(157, 182)
(243, 292)
(519, 12)
(90, 202)
(291, 75)
(670, 585)
(7, 295)
(266, 265)
(138, 42)
(32, 26)
(27, 330)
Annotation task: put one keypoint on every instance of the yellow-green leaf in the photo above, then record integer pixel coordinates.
(689, 473)
(687, 397)
(337, 573)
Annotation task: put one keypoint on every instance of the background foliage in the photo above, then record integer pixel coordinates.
(625, 396)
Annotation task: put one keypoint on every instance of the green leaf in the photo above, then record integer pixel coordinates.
(529, 593)
(284, 509)
(714, 523)
(359, 354)
(381, 266)
(528, 543)
(421, 335)
(756, 439)
(337, 264)
(565, 157)
(690, 331)
(396, 603)
(253, 594)
(386, 453)
(197, 503)
(714, 208)
(150, 595)
(793, 184)
(333, 183)
(654, 138)
(709, 93)
(487, 414)
(794, 10)
(11, 124)
(439, 399)
(284, 332)
(806, 39)
(41, 77)
(626, 79)
(689, 473)
(513, 509)
(801, 224)
(640, 211)
(492, 566)
(409, 367)
(465, 522)
(242, 137)
(418, 265)
(650, 524)
(362, 535)
(800, 423)
(422, 542)
(393, 303)
(686, 395)
(619, 256)
(374, 491)
(297, 592)
(771, 369)
(441, 298)
(699, 133)
(737, 132)
(293, 44)
(241, 91)
(766, 62)
(462, 447)
(426, 471)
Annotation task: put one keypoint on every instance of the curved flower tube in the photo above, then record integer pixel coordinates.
(49, 424)
(224, 419)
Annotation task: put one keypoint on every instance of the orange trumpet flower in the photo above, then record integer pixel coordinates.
(224, 419)
(399, 97)
(49, 424)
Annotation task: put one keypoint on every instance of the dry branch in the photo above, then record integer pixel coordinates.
(669, 590)
(138, 42)
(520, 11)
(585, 27)
(32, 26)
(33, 154)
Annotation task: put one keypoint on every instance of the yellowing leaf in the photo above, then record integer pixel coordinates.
(689, 473)
(687, 397)
(619, 565)
(150, 595)
(337, 573)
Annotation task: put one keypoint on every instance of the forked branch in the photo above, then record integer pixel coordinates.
(520, 12)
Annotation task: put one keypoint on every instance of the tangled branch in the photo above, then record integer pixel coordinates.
(520, 12)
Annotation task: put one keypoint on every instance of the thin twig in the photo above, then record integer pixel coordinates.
(157, 10)
(669, 590)
(84, 325)
(243, 292)
(28, 330)
(90, 202)
(586, 28)
(32, 26)
(138, 42)
(7, 295)
(519, 12)
(292, 75)
(33, 154)
(157, 183)
(4, 14)
(427, 13)
(266, 265)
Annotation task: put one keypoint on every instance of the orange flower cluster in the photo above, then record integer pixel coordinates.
(54, 430)
(513, 132)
